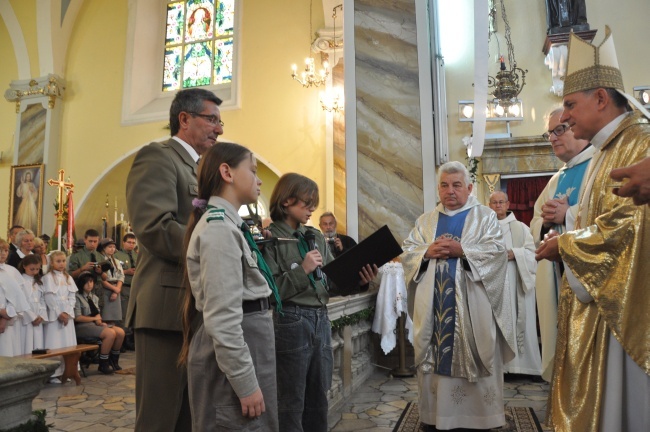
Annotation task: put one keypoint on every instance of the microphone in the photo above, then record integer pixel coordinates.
(310, 237)
(275, 240)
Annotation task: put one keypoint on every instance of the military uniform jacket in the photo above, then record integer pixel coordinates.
(159, 192)
(223, 273)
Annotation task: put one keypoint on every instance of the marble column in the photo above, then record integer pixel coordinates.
(338, 138)
(389, 143)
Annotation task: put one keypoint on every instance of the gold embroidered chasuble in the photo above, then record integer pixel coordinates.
(609, 254)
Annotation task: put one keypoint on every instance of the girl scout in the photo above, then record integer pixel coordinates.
(231, 356)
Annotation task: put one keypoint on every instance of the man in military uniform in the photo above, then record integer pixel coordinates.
(159, 192)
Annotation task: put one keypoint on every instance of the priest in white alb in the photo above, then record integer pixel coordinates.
(556, 209)
(522, 266)
(455, 267)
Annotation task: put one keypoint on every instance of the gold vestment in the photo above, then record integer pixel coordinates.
(609, 253)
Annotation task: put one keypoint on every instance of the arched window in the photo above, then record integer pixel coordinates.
(198, 43)
(176, 44)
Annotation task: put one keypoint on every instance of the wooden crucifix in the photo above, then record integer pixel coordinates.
(63, 186)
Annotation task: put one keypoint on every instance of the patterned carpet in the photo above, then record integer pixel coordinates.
(519, 419)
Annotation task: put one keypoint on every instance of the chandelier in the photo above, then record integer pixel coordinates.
(309, 77)
(508, 83)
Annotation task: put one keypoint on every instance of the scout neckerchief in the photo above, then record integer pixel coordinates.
(93, 308)
(264, 268)
(303, 248)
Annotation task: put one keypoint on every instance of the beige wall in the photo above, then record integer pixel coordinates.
(628, 21)
(278, 119)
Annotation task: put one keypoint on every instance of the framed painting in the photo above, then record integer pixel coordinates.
(26, 196)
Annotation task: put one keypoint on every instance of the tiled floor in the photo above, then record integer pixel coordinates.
(377, 405)
(107, 403)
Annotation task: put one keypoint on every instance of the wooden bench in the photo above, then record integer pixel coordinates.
(70, 355)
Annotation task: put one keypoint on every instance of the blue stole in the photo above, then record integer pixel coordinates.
(569, 182)
(568, 185)
(444, 297)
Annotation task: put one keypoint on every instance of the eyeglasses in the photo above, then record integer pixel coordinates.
(557, 130)
(212, 119)
(498, 202)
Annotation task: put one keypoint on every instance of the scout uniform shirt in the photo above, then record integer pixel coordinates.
(284, 260)
(81, 257)
(124, 259)
(223, 273)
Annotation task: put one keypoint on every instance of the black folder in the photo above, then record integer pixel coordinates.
(379, 248)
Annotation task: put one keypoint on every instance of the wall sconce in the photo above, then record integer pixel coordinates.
(642, 94)
(332, 100)
(494, 112)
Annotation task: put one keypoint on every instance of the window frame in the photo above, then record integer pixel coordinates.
(143, 100)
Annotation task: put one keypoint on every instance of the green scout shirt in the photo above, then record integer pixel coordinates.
(285, 261)
(81, 257)
(124, 259)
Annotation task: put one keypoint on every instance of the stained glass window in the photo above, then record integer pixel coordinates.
(199, 43)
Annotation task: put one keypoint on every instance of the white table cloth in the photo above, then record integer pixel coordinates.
(391, 302)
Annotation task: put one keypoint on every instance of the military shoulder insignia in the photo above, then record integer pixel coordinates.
(215, 214)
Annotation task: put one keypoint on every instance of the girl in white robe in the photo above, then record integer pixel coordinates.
(12, 303)
(59, 292)
(30, 267)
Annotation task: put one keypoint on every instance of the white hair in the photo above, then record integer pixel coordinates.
(22, 234)
(501, 192)
(555, 111)
(454, 167)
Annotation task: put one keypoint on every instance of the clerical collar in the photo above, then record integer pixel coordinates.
(599, 139)
(193, 154)
(510, 217)
(471, 202)
(584, 155)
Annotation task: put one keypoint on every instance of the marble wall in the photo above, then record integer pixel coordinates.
(520, 155)
(389, 145)
(32, 135)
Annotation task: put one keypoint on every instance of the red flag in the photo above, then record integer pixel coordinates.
(70, 220)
